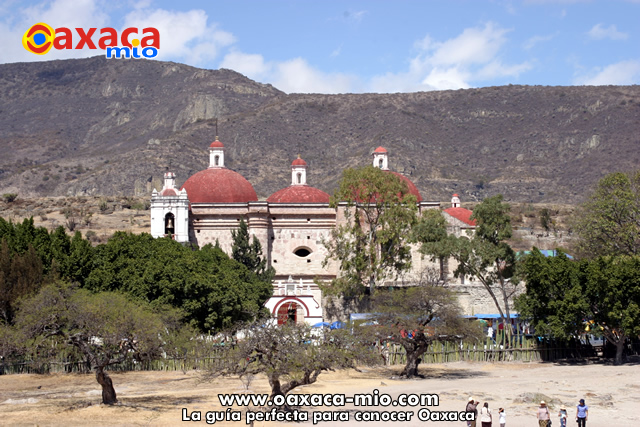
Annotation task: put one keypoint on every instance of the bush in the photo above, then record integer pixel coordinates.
(9, 197)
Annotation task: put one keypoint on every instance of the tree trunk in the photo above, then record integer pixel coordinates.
(411, 368)
(620, 349)
(108, 392)
(276, 387)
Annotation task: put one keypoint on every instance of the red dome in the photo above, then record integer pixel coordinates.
(299, 194)
(455, 195)
(412, 187)
(168, 192)
(219, 185)
(216, 144)
(298, 162)
(380, 150)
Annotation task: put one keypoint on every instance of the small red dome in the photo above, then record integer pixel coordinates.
(216, 144)
(219, 185)
(380, 150)
(299, 194)
(168, 192)
(455, 195)
(412, 187)
(298, 162)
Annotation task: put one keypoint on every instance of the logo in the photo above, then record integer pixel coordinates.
(40, 38)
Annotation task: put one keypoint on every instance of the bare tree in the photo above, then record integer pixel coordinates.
(416, 316)
(291, 355)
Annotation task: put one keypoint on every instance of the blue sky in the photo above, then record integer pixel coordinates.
(331, 46)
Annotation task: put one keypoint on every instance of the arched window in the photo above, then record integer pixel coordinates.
(216, 161)
(380, 163)
(299, 178)
(169, 224)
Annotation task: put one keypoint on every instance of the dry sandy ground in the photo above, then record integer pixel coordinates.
(157, 398)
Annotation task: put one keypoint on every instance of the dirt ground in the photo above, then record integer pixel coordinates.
(164, 398)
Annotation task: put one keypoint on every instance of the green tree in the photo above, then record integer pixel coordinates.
(249, 252)
(371, 242)
(212, 289)
(416, 316)
(487, 257)
(105, 328)
(545, 219)
(431, 233)
(562, 295)
(554, 299)
(609, 221)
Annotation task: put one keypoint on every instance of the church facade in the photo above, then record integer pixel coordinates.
(291, 225)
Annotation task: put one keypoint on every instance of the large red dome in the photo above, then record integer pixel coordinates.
(412, 187)
(219, 185)
(299, 194)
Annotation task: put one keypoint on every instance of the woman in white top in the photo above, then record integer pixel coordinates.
(485, 415)
(503, 417)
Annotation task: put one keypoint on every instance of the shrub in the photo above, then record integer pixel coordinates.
(9, 197)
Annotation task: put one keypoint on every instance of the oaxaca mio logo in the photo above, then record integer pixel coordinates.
(41, 38)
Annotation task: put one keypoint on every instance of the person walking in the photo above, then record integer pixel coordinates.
(471, 407)
(543, 415)
(582, 413)
(563, 416)
(485, 415)
(503, 417)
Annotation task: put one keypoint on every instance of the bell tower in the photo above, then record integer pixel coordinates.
(381, 159)
(170, 211)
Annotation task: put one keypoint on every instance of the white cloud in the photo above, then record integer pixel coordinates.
(474, 55)
(251, 65)
(186, 36)
(473, 46)
(531, 42)
(292, 76)
(621, 73)
(599, 32)
(298, 76)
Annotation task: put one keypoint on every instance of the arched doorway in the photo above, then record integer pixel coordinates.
(290, 311)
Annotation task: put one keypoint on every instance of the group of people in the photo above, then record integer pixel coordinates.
(544, 416)
(485, 416)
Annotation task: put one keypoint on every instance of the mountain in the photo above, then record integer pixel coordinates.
(113, 127)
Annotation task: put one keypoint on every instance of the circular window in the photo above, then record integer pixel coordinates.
(302, 252)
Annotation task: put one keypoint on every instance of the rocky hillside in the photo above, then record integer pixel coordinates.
(112, 128)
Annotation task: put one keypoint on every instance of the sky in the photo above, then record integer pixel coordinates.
(333, 46)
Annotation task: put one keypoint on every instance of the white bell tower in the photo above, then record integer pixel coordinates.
(455, 201)
(298, 172)
(216, 154)
(170, 211)
(381, 159)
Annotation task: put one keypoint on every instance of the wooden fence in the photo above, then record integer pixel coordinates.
(524, 349)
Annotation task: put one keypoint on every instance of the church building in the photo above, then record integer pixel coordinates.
(291, 225)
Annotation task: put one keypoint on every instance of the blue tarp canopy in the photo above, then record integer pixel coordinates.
(546, 252)
(321, 325)
(491, 316)
(337, 325)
